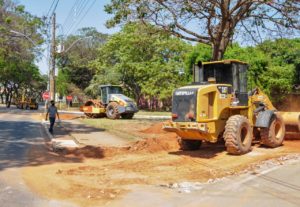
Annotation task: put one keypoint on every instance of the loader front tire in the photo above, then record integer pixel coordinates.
(112, 111)
(190, 145)
(274, 135)
(238, 135)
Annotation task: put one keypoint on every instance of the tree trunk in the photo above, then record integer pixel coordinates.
(219, 48)
(7, 101)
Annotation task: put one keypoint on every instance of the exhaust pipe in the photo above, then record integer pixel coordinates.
(292, 124)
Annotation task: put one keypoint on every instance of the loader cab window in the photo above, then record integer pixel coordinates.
(104, 94)
(233, 73)
(221, 72)
(115, 90)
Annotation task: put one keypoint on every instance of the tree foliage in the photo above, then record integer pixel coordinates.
(274, 66)
(144, 59)
(78, 50)
(21, 34)
(211, 22)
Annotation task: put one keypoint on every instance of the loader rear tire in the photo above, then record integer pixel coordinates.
(238, 135)
(191, 145)
(112, 111)
(274, 135)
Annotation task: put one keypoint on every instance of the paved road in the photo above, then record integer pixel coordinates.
(276, 187)
(17, 134)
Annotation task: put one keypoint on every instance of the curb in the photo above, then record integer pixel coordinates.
(60, 144)
(156, 117)
(152, 117)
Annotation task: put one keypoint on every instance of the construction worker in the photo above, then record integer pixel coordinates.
(52, 111)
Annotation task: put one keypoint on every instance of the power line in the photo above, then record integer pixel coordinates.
(73, 13)
(82, 17)
(55, 6)
(85, 14)
(70, 13)
(50, 8)
(81, 8)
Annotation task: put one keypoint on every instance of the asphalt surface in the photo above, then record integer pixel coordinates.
(272, 185)
(17, 134)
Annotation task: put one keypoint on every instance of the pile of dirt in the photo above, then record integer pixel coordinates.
(154, 129)
(149, 145)
(95, 152)
(155, 145)
(68, 116)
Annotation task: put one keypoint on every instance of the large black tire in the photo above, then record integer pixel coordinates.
(274, 135)
(238, 135)
(191, 145)
(127, 116)
(112, 111)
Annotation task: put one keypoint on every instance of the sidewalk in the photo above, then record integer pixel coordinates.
(73, 134)
(136, 116)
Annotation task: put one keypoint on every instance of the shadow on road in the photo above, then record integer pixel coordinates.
(23, 143)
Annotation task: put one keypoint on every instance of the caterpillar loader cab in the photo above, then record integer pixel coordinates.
(218, 106)
(111, 103)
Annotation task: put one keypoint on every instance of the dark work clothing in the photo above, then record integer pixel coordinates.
(52, 110)
(52, 121)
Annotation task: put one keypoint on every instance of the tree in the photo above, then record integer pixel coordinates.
(273, 65)
(18, 74)
(212, 22)
(74, 62)
(144, 59)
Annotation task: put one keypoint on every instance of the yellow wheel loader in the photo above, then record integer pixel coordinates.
(27, 103)
(218, 106)
(112, 103)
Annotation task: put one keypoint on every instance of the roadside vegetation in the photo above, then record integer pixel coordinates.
(18, 73)
(120, 127)
(153, 53)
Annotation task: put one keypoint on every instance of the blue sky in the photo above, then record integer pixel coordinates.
(96, 17)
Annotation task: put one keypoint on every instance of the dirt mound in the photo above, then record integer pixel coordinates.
(68, 116)
(95, 152)
(154, 129)
(149, 145)
(155, 145)
(163, 141)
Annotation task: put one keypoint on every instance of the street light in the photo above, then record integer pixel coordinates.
(55, 52)
(73, 43)
(24, 35)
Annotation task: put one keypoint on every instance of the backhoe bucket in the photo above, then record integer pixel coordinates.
(292, 124)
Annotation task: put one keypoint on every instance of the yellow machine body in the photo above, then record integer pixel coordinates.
(112, 103)
(214, 104)
(27, 103)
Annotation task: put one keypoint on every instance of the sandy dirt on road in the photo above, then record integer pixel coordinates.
(74, 177)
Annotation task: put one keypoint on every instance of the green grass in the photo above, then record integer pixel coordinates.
(127, 129)
(154, 113)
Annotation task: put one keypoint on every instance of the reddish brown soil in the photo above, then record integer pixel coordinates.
(42, 116)
(73, 177)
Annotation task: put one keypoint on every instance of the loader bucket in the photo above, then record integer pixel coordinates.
(292, 124)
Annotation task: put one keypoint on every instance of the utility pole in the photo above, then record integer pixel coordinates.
(53, 57)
